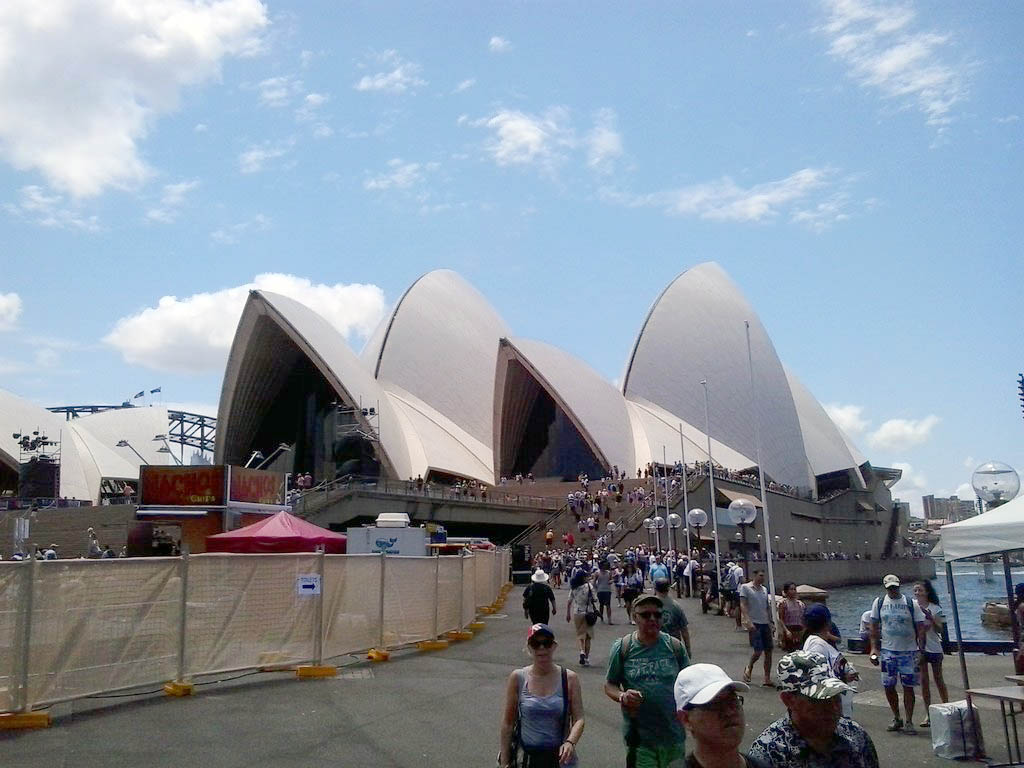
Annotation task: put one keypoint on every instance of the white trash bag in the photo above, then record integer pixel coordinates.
(953, 733)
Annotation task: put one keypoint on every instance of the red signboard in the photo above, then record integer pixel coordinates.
(182, 486)
(256, 486)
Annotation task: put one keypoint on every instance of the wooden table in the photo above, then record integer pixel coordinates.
(1008, 697)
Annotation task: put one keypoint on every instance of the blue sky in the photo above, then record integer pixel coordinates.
(855, 167)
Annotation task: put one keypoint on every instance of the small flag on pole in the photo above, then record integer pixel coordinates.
(139, 394)
(154, 391)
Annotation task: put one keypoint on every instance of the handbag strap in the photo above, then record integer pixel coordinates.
(565, 705)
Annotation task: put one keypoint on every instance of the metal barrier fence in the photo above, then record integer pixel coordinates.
(76, 628)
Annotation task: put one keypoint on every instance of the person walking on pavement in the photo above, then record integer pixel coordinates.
(642, 670)
(673, 619)
(754, 603)
(709, 706)
(547, 701)
(538, 599)
(813, 733)
(931, 656)
(897, 628)
(603, 583)
(582, 600)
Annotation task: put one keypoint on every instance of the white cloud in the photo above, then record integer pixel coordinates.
(499, 45)
(910, 487)
(900, 434)
(85, 80)
(523, 139)
(465, 85)
(824, 214)
(201, 128)
(875, 42)
(309, 112)
(1007, 119)
(10, 310)
(171, 200)
(399, 77)
(255, 157)
(399, 175)
(970, 463)
(278, 91)
(604, 144)
(849, 418)
(232, 234)
(964, 491)
(724, 200)
(46, 210)
(194, 334)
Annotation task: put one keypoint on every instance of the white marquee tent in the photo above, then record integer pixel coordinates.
(997, 531)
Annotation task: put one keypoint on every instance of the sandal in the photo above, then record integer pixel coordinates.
(747, 672)
(896, 725)
(926, 723)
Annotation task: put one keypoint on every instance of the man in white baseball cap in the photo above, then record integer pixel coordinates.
(710, 707)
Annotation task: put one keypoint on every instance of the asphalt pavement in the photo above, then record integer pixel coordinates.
(420, 708)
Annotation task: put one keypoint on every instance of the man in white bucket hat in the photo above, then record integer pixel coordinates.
(538, 599)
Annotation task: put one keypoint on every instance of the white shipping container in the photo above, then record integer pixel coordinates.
(395, 541)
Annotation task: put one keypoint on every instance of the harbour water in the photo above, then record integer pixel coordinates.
(848, 603)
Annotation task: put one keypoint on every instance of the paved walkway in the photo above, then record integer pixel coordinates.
(417, 710)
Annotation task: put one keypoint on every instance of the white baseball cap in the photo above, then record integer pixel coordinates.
(891, 580)
(700, 683)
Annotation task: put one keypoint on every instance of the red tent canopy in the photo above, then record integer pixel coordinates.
(280, 533)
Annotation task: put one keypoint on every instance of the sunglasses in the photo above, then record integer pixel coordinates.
(720, 705)
(650, 615)
(546, 642)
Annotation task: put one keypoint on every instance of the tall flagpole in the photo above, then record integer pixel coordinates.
(711, 480)
(760, 474)
(664, 463)
(686, 505)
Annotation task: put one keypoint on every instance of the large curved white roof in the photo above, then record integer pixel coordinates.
(18, 415)
(101, 432)
(695, 331)
(657, 439)
(826, 448)
(440, 344)
(596, 408)
(254, 374)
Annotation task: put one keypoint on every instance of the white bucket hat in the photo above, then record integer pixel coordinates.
(539, 577)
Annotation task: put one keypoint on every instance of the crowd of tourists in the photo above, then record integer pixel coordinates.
(667, 700)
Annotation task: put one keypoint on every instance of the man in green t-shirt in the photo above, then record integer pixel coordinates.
(673, 619)
(642, 669)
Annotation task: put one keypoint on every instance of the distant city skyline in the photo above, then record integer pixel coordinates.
(854, 167)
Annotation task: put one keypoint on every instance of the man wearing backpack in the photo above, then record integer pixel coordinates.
(538, 599)
(897, 628)
(642, 670)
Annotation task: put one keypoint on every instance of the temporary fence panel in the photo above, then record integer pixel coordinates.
(408, 600)
(351, 603)
(484, 562)
(12, 580)
(102, 626)
(468, 590)
(249, 611)
(449, 609)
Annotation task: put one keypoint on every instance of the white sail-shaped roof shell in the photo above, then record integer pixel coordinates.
(596, 408)
(101, 432)
(827, 450)
(18, 415)
(656, 439)
(250, 382)
(440, 344)
(695, 331)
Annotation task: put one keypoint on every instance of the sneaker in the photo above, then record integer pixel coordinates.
(909, 729)
(583, 659)
(926, 723)
(896, 725)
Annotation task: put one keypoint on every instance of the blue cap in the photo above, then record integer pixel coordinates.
(820, 612)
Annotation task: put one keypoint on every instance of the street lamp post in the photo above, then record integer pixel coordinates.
(126, 444)
(792, 545)
(649, 525)
(659, 523)
(698, 518)
(743, 512)
(674, 523)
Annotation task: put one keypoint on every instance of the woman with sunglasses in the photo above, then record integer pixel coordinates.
(550, 726)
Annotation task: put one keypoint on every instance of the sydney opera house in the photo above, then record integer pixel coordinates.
(444, 390)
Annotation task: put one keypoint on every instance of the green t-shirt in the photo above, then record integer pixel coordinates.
(651, 670)
(673, 620)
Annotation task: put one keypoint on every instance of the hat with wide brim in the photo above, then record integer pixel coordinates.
(539, 577)
(810, 675)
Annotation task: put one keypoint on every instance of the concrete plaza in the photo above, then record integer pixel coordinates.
(421, 709)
